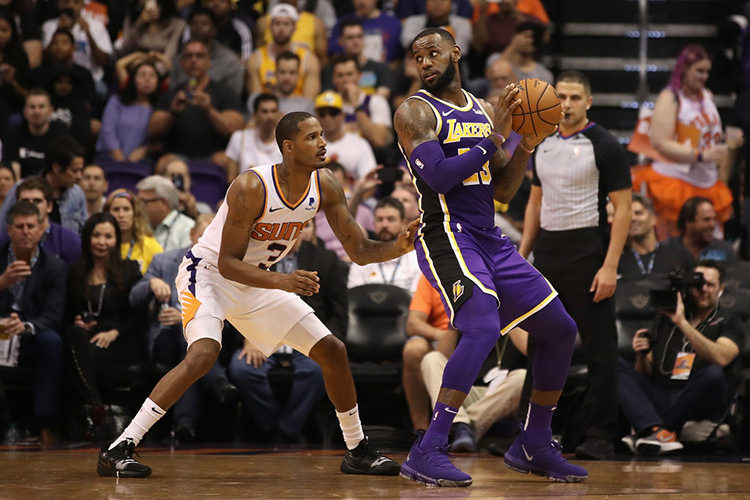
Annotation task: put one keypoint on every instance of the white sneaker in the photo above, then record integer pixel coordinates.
(696, 431)
(629, 441)
(660, 441)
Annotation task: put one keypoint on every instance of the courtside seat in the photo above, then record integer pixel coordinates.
(125, 174)
(209, 182)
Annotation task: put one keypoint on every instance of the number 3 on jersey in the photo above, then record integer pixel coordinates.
(479, 178)
(273, 247)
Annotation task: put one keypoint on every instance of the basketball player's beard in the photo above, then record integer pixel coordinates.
(443, 80)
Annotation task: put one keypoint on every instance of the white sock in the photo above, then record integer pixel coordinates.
(146, 417)
(351, 427)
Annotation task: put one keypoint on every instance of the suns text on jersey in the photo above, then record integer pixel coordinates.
(272, 231)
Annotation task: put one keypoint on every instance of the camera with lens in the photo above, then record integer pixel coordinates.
(680, 281)
(88, 316)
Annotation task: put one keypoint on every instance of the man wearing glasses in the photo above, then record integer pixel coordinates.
(196, 118)
(160, 202)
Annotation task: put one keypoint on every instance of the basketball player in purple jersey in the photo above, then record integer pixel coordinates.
(452, 142)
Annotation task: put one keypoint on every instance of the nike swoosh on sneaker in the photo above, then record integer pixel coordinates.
(528, 457)
(379, 461)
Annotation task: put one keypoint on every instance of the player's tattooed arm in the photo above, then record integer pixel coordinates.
(360, 249)
(245, 204)
(415, 124)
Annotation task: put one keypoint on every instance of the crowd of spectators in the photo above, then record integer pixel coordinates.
(91, 89)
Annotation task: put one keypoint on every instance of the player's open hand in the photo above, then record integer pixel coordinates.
(301, 282)
(405, 241)
(503, 118)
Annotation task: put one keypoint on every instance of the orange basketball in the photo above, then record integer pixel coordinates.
(540, 109)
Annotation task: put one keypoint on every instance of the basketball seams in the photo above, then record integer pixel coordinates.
(528, 103)
(520, 114)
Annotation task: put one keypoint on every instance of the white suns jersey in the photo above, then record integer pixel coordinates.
(277, 228)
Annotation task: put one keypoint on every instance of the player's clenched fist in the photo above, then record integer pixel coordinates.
(301, 282)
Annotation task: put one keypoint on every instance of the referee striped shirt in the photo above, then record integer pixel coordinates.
(576, 173)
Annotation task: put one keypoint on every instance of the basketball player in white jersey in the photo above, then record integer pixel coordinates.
(225, 276)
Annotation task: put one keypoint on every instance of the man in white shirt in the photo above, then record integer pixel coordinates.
(93, 45)
(402, 272)
(369, 115)
(255, 145)
(160, 200)
(347, 148)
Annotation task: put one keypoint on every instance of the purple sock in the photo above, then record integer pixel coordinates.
(437, 432)
(538, 426)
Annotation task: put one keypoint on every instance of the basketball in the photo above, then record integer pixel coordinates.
(540, 109)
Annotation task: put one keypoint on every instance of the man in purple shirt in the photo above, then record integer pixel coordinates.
(56, 240)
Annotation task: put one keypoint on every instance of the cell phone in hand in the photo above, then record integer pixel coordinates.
(190, 89)
(179, 182)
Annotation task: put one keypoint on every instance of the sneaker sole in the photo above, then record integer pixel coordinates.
(348, 469)
(409, 473)
(107, 472)
(541, 473)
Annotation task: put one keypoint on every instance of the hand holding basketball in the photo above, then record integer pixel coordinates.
(505, 108)
(539, 112)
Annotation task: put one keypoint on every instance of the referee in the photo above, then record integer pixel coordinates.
(575, 171)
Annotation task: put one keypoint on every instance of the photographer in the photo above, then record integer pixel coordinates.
(178, 172)
(684, 365)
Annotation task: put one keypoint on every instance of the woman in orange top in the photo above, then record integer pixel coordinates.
(687, 135)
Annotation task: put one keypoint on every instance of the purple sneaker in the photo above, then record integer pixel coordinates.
(543, 460)
(433, 466)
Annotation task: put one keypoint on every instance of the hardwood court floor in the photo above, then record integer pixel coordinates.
(313, 474)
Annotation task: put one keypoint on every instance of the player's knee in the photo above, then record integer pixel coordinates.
(329, 351)
(202, 355)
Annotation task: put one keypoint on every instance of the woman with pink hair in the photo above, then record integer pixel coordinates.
(692, 154)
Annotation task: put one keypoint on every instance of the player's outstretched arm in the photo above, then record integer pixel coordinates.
(415, 123)
(360, 249)
(245, 200)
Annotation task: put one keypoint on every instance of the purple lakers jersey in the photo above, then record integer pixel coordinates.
(459, 128)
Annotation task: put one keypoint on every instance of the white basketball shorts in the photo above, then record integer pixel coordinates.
(263, 316)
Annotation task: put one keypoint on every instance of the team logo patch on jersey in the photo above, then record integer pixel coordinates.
(458, 290)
